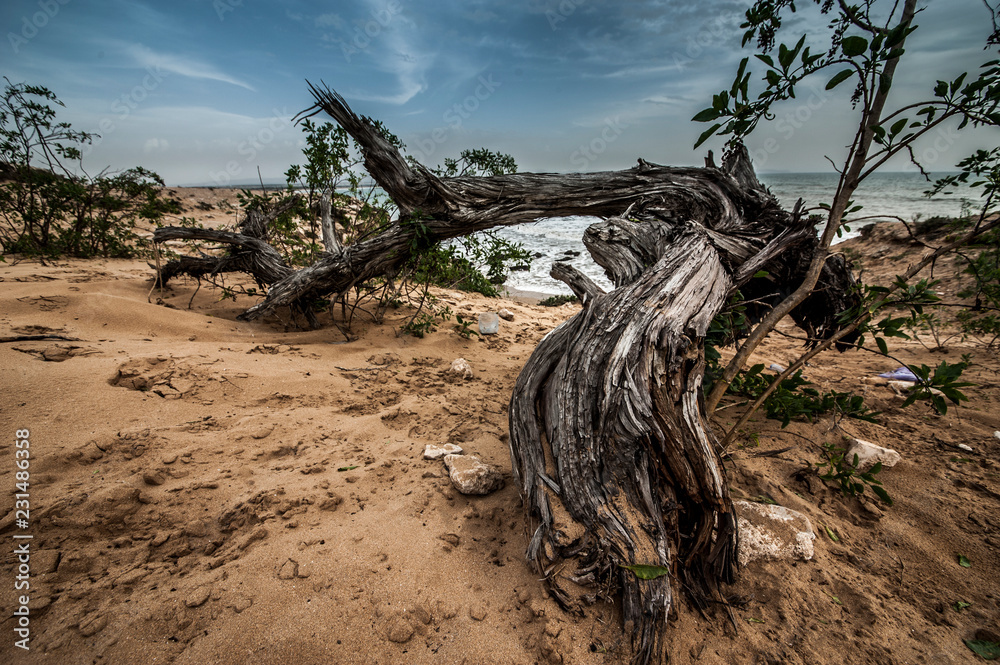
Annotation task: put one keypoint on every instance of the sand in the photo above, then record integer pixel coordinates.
(204, 490)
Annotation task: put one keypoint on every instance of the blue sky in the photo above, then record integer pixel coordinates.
(203, 91)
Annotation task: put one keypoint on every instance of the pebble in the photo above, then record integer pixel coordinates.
(437, 451)
(461, 368)
(966, 448)
(470, 475)
(152, 477)
(506, 315)
(400, 631)
(198, 596)
(289, 570)
(869, 455)
(772, 532)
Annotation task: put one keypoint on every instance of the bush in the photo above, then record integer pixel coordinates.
(51, 210)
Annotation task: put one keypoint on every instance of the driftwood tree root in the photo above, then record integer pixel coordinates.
(609, 441)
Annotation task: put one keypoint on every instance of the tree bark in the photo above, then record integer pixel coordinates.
(249, 252)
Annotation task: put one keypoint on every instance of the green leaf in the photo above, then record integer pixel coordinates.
(897, 126)
(760, 273)
(705, 135)
(964, 562)
(839, 78)
(882, 346)
(706, 115)
(647, 572)
(831, 534)
(988, 650)
(961, 605)
(882, 494)
(854, 46)
(347, 468)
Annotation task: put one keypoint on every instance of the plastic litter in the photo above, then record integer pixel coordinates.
(775, 367)
(900, 374)
(489, 323)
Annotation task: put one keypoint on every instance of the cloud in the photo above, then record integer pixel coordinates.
(146, 57)
(155, 145)
(331, 20)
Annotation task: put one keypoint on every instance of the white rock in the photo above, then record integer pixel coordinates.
(439, 450)
(966, 448)
(461, 368)
(869, 454)
(489, 323)
(506, 315)
(996, 435)
(772, 532)
(470, 475)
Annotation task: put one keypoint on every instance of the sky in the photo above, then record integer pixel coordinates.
(204, 91)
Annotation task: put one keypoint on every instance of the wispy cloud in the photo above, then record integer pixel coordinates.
(146, 57)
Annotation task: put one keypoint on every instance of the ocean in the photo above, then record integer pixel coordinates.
(881, 195)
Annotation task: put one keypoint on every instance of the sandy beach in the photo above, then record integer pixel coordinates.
(204, 490)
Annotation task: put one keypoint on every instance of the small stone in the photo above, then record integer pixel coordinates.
(489, 323)
(966, 448)
(437, 451)
(196, 529)
(331, 503)
(996, 435)
(869, 454)
(198, 596)
(262, 432)
(772, 532)
(400, 631)
(470, 475)
(289, 570)
(169, 459)
(421, 613)
(506, 315)
(450, 538)
(241, 603)
(152, 477)
(461, 368)
(478, 611)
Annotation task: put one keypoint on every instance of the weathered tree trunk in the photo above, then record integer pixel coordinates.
(249, 252)
(609, 439)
